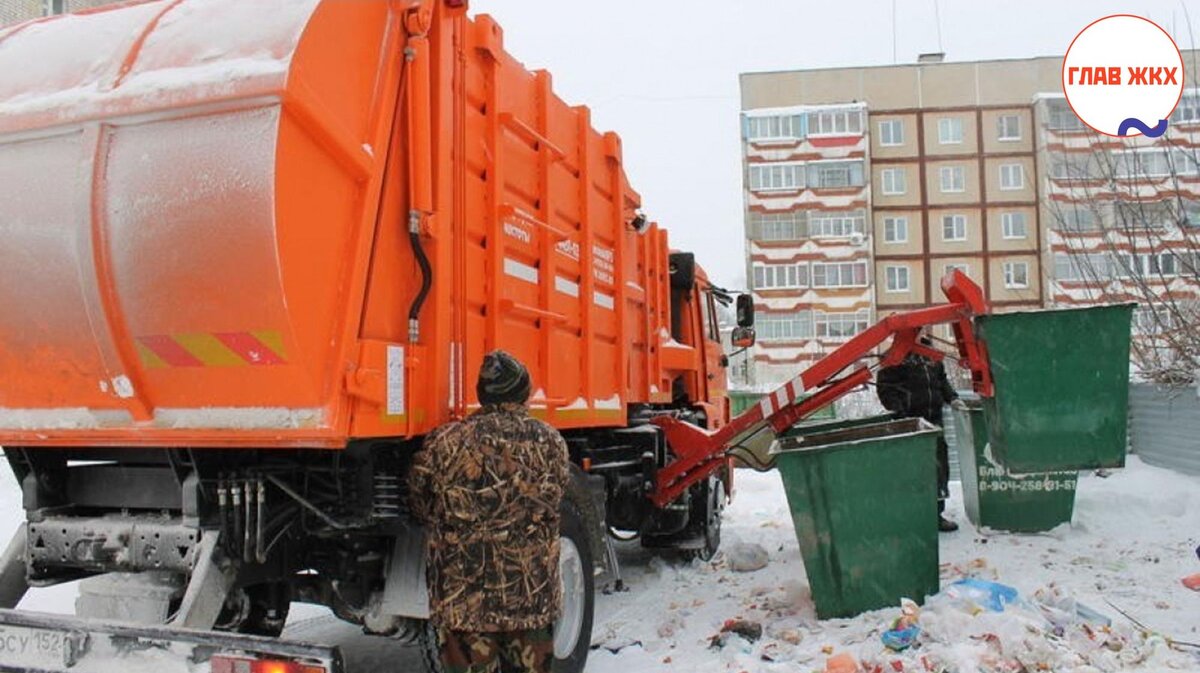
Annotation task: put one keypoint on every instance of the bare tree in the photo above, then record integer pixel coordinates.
(1125, 227)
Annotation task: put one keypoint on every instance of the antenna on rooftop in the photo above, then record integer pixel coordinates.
(937, 17)
(895, 60)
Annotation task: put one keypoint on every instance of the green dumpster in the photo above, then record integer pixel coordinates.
(816, 425)
(864, 505)
(995, 499)
(741, 400)
(1062, 387)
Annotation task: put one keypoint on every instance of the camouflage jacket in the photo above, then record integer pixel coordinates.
(488, 490)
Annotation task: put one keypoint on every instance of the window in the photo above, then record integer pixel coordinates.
(775, 127)
(1083, 267)
(780, 276)
(954, 227)
(1189, 214)
(1014, 225)
(841, 325)
(951, 268)
(836, 122)
(839, 274)
(714, 321)
(1016, 275)
(1076, 219)
(950, 131)
(1060, 116)
(1150, 163)
(784, 326)
(770, 227)
(1146, 266)
(891, 133)
(894, 181)
(895, 230)
(835, 174)
(1143, 215)
(897, 278)
(836, 224)
(1012, 177)
(1188, 111)
(776, 177)
(1008, 128)
(1152, 320)
(1076, 167)
(953, 179)
(55, 7)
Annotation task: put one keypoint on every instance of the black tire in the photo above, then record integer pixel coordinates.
(258, 610)
(707, 510)
(574, 529)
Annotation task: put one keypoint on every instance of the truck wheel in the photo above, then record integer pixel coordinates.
(258, 610)
(708, 510)
(573, 630)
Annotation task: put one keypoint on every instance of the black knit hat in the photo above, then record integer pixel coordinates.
(502, 379)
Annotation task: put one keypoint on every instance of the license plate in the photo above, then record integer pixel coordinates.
(31, 647)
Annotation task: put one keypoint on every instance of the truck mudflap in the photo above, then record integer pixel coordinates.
(40, 643)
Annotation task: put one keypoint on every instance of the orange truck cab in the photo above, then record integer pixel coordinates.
(255, 251)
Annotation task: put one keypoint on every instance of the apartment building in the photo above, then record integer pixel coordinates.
(808, 230)
(1124, 216)
(977, 166)
(950, 182)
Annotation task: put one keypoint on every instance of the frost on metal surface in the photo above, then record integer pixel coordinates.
(61, 419)
(43, 255)
(240, 418)
(190, 210)
(199, 49)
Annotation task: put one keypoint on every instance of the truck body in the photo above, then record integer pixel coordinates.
(255, 251)
(208, 212)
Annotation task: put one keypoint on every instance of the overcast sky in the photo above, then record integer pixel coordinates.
(664, 74)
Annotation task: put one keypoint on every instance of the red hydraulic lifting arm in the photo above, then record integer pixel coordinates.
(699, 452)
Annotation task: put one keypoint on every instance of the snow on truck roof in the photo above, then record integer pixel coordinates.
(145, 57)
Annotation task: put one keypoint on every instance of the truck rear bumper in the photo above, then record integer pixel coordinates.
(39, 643)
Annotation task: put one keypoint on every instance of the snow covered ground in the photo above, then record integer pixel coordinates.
(1131, 542)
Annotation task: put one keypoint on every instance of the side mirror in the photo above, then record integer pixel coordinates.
(743, 337)
(745, 310)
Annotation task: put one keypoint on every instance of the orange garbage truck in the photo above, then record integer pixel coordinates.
(253, 252)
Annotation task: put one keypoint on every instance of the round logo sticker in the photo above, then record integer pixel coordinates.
(1123, 76)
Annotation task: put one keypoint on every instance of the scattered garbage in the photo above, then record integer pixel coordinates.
(976, 595)
(751, 631)
(905, 630)
(1061, 609)
(842, 663)
(1192, 582)
(744, 557)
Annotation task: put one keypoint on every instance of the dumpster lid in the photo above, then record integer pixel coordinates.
(837, 439)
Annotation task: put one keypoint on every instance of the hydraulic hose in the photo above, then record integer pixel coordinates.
(414, 238)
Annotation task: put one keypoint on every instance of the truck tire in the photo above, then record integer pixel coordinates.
(257, 610)
(707, 512)
(573, 630)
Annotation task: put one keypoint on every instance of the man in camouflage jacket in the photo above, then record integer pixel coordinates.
(488, 491)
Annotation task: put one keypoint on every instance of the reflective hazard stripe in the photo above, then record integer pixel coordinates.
(767, 405)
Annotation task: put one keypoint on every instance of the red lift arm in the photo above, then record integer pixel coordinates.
(699, 453)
